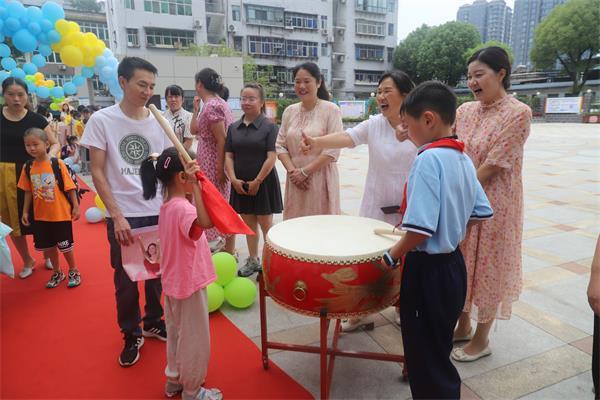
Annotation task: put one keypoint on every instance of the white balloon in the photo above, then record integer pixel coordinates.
(94, 215)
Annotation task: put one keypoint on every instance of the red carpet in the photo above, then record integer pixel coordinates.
(64, 343)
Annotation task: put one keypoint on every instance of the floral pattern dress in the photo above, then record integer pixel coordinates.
(323, 194)
(214, 111)
(495, 134)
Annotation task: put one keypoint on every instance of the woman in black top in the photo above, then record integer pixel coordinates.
(15, 119)
(249, 161)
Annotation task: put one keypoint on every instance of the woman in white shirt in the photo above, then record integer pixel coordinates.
(390, 155)
(179, 118)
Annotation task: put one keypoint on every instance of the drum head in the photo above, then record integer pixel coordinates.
(330, 238)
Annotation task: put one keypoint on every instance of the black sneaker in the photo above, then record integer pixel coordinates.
(131, 351)
(158, 332)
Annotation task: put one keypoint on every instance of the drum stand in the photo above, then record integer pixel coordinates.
(323, 350)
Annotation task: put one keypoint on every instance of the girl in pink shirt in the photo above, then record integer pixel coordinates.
(186, 269)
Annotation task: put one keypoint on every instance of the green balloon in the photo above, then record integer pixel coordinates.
(240, 292)
(216, 295)
(225, 267)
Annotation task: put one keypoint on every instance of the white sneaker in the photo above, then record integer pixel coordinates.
(26, 272)
(48, 264)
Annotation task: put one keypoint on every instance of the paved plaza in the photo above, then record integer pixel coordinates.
(544, 351)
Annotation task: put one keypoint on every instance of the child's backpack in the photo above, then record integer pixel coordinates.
(59, 179)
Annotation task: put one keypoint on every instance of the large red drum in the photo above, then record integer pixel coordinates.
(330, 263)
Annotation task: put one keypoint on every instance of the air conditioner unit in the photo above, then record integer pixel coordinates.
(289, 27)
(341, 31)
(62, 67)
(197, 24)
(231, 28)
(324, 32)
(341, 58)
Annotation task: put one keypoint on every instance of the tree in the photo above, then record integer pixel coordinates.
(86, 5)
(569, 34)
(405, 55)
(506, 47)
(440, 55)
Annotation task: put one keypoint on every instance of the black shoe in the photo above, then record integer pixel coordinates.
(131, 351)
(158, 331)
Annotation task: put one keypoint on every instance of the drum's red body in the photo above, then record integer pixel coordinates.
(344, 289)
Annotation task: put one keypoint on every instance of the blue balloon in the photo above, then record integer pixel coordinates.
(3, 76)
(8, 63)
(53, 36)
(87, 72)
(34, 14)
(70, 88)
(43, 39)
(16, 10)
(18, 73)
(76, 168)
(34, 28)
(45, 50)
(46, 25)
(3, 11)
(94, 215)
(31, 88)
(78, 80)
(24, 41)
(4, 50)
(100, 62)
(107, 52)
(1, 37)
(1, 24)
(29, 68)
(43, 92)
(11, 25)
(57, 91)
(39, 60)
(106, 73)
(53, 11)
(113, 62)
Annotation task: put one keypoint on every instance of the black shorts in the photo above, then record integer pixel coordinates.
(47, 235)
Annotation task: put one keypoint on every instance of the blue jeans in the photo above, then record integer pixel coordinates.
(126, 291)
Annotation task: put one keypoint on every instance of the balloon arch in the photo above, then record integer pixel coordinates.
(39, 32)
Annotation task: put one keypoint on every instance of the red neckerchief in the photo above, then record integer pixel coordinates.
(451, 142)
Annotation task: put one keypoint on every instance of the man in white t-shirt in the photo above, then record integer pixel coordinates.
(179, 118)
(119, 138)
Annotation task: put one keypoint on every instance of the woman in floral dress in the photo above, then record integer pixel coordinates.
(210, 127)
(494, 129)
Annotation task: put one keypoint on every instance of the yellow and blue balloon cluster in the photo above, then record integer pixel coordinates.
(43, 30)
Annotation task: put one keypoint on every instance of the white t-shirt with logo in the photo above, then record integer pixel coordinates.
(180, 121)
(127, 142)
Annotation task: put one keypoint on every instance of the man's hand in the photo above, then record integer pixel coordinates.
(75, 213)
(123, 231)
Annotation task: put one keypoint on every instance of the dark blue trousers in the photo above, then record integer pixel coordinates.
(432, 296)
(126, 291)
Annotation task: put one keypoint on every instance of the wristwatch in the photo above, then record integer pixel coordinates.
(389, 260)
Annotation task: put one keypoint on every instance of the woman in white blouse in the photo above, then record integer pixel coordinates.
(390, 155)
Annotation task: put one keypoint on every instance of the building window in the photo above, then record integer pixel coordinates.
(368, 52)
(323, 21)
(130, 4)
(367, 77)
(262, 15)
(301, 48)
(391, 5)
(169, 38)
(324, 50)
(266, 46)
(236, 13)
(97, 28)
(133, 39)
(284, 75)
(54, 58)
(374, 6)
(238, 43)
(390, 29)
(173, 7)
(390, 54)
(373, 28)
(325, 74)
(302, 21)
(98, 86)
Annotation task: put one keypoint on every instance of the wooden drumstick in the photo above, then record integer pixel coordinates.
(382, 231)
(169, 132)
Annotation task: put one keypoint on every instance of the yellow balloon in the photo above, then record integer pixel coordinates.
(99, 47)
(74, 27)
(99, 203)
(38, 76)
(56, 47)
(49, 83)
(89, 60)
(71, 56)
(89, 38)
(62, 26)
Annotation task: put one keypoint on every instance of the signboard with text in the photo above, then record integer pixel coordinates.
(352, 109)
(564, 105)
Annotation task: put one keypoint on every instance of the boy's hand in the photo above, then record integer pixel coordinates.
(25, 219)
(75, 213)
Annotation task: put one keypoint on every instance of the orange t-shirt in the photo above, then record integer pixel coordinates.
(49, 203)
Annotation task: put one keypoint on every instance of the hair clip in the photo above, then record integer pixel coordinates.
(167, 162)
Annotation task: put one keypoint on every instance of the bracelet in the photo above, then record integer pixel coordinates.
(303, 172)
(389, 260)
